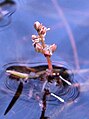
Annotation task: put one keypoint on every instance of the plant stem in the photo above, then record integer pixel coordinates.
(49, 63)
(46, 92)
(47, 57)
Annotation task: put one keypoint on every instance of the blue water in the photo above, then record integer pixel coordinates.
(69, 29)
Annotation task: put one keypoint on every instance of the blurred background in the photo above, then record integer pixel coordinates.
(69, 30)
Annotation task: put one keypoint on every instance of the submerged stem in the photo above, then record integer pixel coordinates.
(46, 92)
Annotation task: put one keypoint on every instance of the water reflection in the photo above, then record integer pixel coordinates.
(7, 8)
(57, 91)
(15, 46)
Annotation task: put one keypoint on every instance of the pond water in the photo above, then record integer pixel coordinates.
(69, 28)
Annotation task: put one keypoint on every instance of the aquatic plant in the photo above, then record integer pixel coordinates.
(56, 76)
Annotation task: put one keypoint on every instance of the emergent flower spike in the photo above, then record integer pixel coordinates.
(39, 42)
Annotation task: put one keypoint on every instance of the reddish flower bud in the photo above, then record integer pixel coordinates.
(34, 37)
(40, 29)
(38, 47)
(36, 25)
(53, 47)
(48, 50)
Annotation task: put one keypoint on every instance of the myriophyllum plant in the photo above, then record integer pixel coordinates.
(47, 50)
(40, 45)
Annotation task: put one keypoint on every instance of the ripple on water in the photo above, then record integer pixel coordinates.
(33, 88)
(7, 8)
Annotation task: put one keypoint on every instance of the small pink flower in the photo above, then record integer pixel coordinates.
(37, 25)
(43, 31)
(48, 50)
(35, 39)
(53, 47)
(47, 53)
(38, 47)
(40, 28)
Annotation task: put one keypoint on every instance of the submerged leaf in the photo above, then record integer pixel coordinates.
(14, 99)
